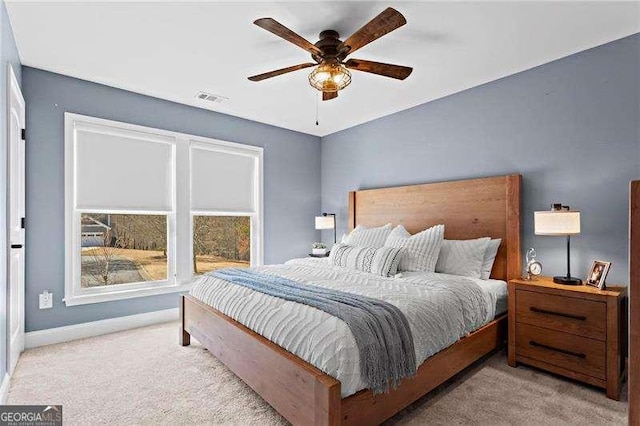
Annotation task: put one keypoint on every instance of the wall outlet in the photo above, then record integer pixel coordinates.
(46, 300)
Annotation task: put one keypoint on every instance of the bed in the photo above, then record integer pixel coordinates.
(303, 392)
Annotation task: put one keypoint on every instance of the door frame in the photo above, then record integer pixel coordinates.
(13, 89)
(634, 304)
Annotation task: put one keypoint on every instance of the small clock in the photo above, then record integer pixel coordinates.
(534, 267)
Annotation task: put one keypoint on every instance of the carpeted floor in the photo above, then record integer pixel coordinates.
(143, 376)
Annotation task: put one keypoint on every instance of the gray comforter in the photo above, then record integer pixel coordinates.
(440, 309)
(381, 331)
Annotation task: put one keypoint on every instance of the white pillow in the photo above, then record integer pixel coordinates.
(462, 257)
(489, 258)
(362, 236)
(420, 250)
(381, 261)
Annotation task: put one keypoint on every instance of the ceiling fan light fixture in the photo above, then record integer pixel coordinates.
(330, 77)
(332, 69)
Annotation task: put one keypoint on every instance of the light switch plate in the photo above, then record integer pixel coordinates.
(46, 300)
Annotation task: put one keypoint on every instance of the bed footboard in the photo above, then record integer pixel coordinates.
(302, 393)
(366, 408)
(299, 391)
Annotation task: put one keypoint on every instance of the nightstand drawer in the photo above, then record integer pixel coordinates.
(575, 353)
(567, 314)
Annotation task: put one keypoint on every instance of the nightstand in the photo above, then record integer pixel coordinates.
(575, 331)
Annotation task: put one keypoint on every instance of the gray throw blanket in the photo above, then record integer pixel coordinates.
(381, 331)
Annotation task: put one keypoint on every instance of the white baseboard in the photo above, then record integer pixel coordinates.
(4, 389)
(33, 339)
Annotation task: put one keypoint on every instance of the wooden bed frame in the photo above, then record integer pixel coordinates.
(302, 393)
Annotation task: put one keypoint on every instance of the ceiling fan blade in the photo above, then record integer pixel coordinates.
(384, 23)
(387, 70)
(281, 71)
(327, 96)
(280, 30)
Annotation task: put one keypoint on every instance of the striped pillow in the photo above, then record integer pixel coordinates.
(368, 237)
(381, 261)
(420, 250)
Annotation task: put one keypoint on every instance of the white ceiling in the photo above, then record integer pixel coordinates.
(172, 50)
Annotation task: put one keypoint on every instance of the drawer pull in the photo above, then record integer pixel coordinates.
(559, 314)
(563, 351)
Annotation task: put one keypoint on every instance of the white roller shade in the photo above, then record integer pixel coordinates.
(120, 169)
(223, 180)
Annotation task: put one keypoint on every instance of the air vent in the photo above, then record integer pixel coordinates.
(211, 98)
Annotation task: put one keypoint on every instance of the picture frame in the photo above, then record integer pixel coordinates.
(598, 274)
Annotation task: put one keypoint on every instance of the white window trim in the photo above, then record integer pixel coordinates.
(179, 218)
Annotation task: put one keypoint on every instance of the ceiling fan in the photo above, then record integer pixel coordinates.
(329, 53)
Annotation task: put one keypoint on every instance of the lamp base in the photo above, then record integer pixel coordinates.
(567, 280)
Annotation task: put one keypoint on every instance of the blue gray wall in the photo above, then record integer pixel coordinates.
(570, 127)
(8, 55)
(291, 183)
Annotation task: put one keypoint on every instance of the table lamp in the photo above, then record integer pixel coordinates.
(559, 221)
(327, 221)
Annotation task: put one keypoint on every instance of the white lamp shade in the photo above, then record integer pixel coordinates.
(325, 222)
(563, 222)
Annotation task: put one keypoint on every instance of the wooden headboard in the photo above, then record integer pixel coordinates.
(474, 208)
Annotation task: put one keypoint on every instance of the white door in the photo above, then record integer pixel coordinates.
(16, 195)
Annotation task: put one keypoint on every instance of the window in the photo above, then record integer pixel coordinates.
(122, 249)
(223, 207)
(147, 209)
(221, 242)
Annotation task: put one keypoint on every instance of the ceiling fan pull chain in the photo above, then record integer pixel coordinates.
(317, 107)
